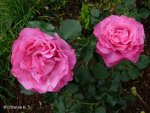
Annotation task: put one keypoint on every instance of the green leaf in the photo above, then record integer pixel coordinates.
(124, 76)
(76, 107)
(45, 27)
(129, 2)
(84, 11)
(87, 22)
(123, 103)
(78, 96)
(87, 53)
(111, 100)
(59, 107)
(95, 12)
(83, 75)
(143, 13)
(99, 70)
(50, 97)
(118, 1)
(106, 6)
(70, 29)
(34, 24)
(85, 109)
(117, 76)
(25, 91)
(85, 16)
(115, 86)
(130, 98)
(72, 88)
(100, 109)
(143, 62)
(94, 20)
(133, 73)
(92, 90)
(122, 65)
(102, 92)
(68, 103)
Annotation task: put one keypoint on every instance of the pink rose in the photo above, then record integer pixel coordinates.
(42, 62)
(119, 38)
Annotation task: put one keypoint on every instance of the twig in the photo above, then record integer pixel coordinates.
(142, 101)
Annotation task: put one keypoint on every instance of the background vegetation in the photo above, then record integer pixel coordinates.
(89, 92)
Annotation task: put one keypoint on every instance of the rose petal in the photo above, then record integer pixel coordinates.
(41, 62)
(119, 38)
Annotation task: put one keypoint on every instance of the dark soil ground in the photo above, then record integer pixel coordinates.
(35, 103)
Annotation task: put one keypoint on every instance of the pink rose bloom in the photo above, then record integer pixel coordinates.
(119, 38)
(42, 62)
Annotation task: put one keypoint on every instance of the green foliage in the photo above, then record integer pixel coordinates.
(6, 80)
(146, 3)
(70, 29)
(129, 8)
(87, 53)
(16, 13)
(118, 7)
(143, 62)
(72, 88)
(99, 71)
(83, 75)
(85, 16)
(59, 107)
(143, 13)
(45, 27)
(25, 91)
(94, 93)
(95, 16)
(100, 109)
(106, 5)
(95, 12)
(5, 17)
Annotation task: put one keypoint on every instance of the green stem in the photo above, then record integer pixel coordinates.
(86, 103)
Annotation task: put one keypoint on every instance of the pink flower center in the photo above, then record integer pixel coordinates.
(41, 57)
(119, 38)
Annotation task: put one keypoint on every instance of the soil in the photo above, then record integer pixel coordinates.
(36, 104)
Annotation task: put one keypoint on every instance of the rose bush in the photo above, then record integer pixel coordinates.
(119, 38)
(42, 62)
